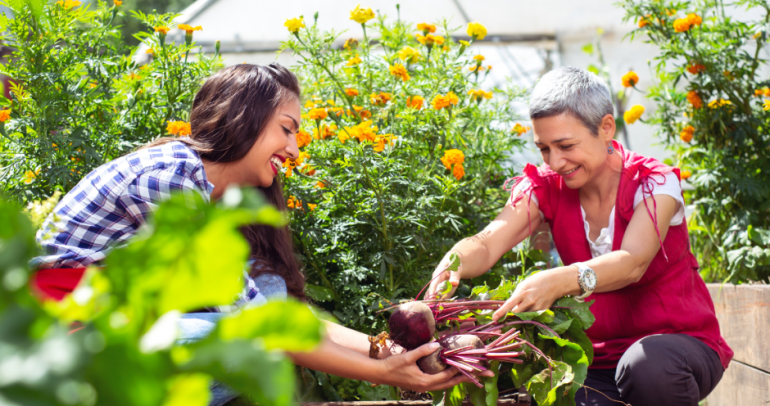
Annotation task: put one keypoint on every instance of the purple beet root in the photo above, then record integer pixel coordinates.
(412, 325)
(432, 364)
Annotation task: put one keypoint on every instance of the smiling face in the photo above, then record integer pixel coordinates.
(277, 143)
(570, 149)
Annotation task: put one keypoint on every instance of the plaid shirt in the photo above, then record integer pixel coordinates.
(111, 203)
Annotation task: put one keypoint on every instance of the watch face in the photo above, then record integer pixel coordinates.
(589, 278)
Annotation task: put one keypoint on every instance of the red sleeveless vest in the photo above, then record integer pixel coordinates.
(671, 297)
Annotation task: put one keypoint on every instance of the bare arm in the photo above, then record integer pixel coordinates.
(354, 340)
(614, 270)
(480, 252)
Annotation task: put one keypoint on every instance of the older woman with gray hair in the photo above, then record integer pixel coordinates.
(617, 220)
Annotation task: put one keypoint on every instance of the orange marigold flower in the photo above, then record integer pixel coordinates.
(459, 171)
(694, 99)
(415, 102)
(189, 28)
(430, 39)
(30, 176)
(312, 206)
(363, 131)
(320, 185)
(439, 102)
(161, 29)
(293, 202)
(644, 21)
(365, 114)
(399, 71)
(118, 3)
(380, 99)
(317, 114)
(682, 25)
(519, 129)
(694, 19)
(382, 141)
(685, 174)
(687, 133)
(303, 138)
(452, 157)
(351, 92)
(696, 68)
(630, 79)
(327, 131)
(426, 28)
(5, 115)
(179, 128)
(766, 91)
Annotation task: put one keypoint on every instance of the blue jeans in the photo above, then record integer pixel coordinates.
(196, 326)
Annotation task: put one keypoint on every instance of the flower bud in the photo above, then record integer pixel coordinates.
(216, 47)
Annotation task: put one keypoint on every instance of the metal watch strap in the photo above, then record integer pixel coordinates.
(582, 268)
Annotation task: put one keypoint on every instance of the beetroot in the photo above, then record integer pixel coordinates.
(432, 364)
(412, 325)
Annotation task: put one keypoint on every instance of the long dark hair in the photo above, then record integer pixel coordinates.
(229, 114)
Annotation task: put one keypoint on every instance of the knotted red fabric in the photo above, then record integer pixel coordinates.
(56, 283)
(671, 297)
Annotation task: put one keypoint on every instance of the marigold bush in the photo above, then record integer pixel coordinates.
(710, 112)
(409, 157)
(78, 98)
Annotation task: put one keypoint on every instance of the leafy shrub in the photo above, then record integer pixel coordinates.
(402, 154)
(124, 353)
(712, 110)
(78, 98)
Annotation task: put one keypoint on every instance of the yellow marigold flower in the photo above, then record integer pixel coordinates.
(118, 3)
(519, 129)
(302, 156)
(179, 128)
(327, 131)
(312, 206)
(409, 54)
(362, 132)
(766, 105)
(303, 138)
(685, 174)
(309, 104)
(478, 69)
(687, 133)
(719, 103)
(361, 15)
(30, 176)
(479, 58)
(682, 25)
(476, 31)
(294, 24)
(633, 114)
(68, 4)
(350, 43)
(343, 136)
(696, 68)
(317, 114)
(757, 35)
(479, 94)
(694, 19)
(5, 115)
(189, 28)
(464, 42)
(630, 79)
(426, 28)
(150, 51)
(399, 71)
(320, 185)
(161, 29)
(351, 92)
(452, 157)
(415, 102)
(694, 99)
(354, 61)
(766, 90)
(380, 99)
(459, 171)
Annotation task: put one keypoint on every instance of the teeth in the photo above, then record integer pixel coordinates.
(572, 171)
(276, 162)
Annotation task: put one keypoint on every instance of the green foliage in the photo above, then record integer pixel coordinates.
(387, 207)
(718, 62)
(78, 98)
(125, 353)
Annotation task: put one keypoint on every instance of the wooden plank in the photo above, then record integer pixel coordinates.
(741, 385)
(744, 320)
(502, 402)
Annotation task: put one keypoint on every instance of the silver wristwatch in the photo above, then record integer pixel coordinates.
(586, 280)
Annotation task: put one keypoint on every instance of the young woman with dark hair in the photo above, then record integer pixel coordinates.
(244, 122)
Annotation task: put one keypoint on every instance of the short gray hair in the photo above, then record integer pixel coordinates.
(574, 91)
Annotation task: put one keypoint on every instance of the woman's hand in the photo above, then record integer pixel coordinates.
(441, 274)
(539, 291)
(402, 371)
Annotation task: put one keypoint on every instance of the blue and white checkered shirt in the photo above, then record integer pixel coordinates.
(111, 203)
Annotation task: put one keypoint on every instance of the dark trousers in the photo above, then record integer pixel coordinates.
(659, 370)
